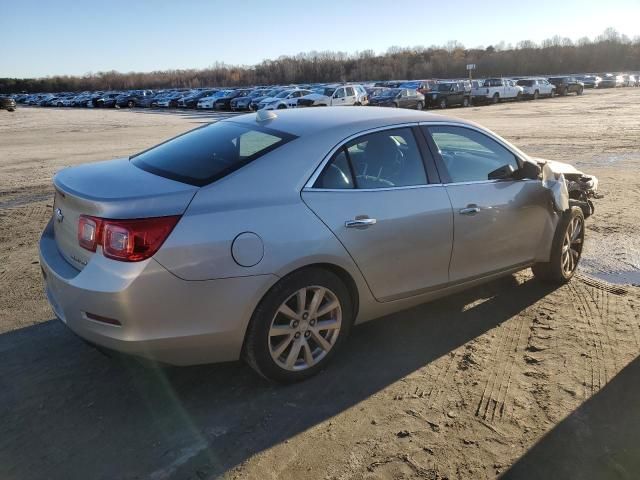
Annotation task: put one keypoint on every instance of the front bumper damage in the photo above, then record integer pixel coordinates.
(569, 186)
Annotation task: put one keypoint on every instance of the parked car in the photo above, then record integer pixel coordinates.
(608, 81)
(331, 96)
(243, 103)
(196, 226)
(171, 100)
(7, 103)
(191, 100)
(422, 86)
(628, 80)
(285, 99)
(448, 94)
(566, 85)
(590, 81)
(224, 102)
(133, 99)
(399, 98)
(207, 102)
(494, 90)
(108, 100)
(535, 88)
(253, 105)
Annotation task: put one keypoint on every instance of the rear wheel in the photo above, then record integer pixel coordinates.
(553, 93)
(419, 106)
(566, 249)
(299, 326)
(536, 94)
(130, 104)
(564, 92)
(496, 98)
(519, 96)
(443, 103)
(465, 102)
(580, 91)
(282, 106)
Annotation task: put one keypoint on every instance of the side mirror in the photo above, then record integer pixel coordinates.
(501, 173)
(528, 170)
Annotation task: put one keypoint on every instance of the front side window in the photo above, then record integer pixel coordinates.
(339, 93)
(206, 154)
(386, 159)
(469, 155)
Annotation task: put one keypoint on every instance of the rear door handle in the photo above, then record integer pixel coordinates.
(360, 223)
(469, 210)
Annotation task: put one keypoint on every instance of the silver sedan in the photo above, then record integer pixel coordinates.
(268, 236)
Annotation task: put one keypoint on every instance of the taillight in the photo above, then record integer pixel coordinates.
(125, 240)
(89, 232)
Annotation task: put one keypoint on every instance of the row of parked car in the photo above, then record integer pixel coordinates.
(416, 94)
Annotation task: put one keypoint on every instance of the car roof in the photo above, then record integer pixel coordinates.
(347, 120)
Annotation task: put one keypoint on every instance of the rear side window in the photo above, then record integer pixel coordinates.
(390, 158)
(204, 155)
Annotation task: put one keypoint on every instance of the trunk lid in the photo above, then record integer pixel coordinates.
(115, 189)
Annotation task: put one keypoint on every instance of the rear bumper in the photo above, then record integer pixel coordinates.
(162, 317)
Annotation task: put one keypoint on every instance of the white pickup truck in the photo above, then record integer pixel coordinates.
(494, 90)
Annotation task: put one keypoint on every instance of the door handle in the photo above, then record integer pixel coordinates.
(360, 222)
(469, 210)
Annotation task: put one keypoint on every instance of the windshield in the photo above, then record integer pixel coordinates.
(206, 154)
(283, 94)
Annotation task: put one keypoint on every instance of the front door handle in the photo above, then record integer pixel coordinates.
(360, 222)
(469, 210)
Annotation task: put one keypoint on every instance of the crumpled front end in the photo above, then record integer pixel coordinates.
(569, 186)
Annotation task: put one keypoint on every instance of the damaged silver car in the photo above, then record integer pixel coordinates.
(268, 236)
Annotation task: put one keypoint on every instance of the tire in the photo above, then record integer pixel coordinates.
(395, 105)
(496, 98)
(465, 102)
(281, 107)
(59, 104)
(357, 104)
(11, 109)
(420, 106)
(562, 264)
(277, 360)
(518, 97)
(553, 93)
(580, 91)
(442, 104)
(564, 92)
(536, 94)
(131, 104)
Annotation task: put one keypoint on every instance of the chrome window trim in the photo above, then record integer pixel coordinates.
(316, 173)
(385, 189)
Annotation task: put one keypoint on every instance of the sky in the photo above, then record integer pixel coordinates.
(43, 38)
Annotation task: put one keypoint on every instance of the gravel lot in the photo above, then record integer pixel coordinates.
(513, 378)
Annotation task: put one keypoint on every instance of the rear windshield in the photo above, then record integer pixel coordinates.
(206, 154)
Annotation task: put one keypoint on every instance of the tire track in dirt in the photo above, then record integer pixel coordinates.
(496, 389)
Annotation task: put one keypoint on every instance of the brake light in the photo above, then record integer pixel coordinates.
(89, 232)
(125, 240)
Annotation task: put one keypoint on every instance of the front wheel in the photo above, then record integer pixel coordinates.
(536, 94)
(419, 106)
(299, 326)
(580, 91)
(566, 249)
(496, 98)
(443, 103)
(130, 104)
(465, 102)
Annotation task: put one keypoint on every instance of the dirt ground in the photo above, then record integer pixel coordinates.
(513, 378)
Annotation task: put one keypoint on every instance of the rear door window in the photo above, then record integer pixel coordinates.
(204, 155)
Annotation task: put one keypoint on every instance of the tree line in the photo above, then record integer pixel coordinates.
(609, 52)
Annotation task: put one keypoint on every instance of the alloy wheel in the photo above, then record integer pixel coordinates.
(305, 328)
(572, 245)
